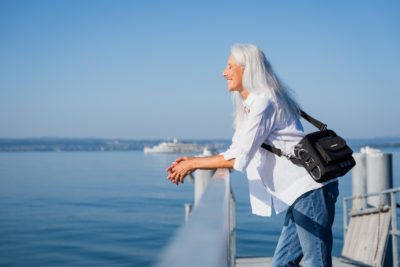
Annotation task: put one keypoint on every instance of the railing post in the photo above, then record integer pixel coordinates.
(394, 229)
(232, 230)
(206, 239)
(344, 218)
(201, 180)
(188, 210)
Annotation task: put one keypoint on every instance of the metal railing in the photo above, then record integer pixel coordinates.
(208, 238)
(393, 209)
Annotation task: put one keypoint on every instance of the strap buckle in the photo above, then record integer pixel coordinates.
(289, 156)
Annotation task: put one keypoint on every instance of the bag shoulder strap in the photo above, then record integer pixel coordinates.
(321, 126)
(278, 152)
(272, 149)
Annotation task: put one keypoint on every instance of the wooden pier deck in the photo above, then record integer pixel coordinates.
(266, 262)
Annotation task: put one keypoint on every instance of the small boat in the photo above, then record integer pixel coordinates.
(174, 147)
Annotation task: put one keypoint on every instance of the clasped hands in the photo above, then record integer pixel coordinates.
(180, 168)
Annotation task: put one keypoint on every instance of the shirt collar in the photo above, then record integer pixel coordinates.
(249, 100)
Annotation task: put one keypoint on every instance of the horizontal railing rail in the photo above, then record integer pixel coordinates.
(387, 191)
(207, 238)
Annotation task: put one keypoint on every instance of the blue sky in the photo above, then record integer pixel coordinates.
(152, 69)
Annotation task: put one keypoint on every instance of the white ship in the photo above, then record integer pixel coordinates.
(174, 147)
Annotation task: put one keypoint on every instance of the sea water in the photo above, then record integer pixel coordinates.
(114, 209)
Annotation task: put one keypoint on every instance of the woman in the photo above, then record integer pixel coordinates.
(265, 112)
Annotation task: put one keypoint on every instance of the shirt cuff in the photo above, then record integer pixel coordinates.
(228, 155)
(240, 163)
(240, 160)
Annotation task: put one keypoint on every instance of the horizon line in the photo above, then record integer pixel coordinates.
(165, 138)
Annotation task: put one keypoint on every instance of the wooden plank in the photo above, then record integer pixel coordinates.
(362, 224)
(370, 248)
(347, 238)
(383, 237)
(364, 236)
(355, 248)
(354, 238)
(374, 240)
(346, 244)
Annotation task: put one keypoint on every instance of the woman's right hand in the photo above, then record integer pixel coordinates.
(169, 169)
(177, 172)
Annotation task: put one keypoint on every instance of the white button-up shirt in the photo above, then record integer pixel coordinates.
(274, 182)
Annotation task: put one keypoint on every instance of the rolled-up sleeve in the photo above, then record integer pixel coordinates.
(248, 138)
(233, 150)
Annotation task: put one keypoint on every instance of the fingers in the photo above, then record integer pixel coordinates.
(178, 172)
(173, 176)
(182, 159)
(176, 177)
(173, 173)
(172, 165)
(179, 160)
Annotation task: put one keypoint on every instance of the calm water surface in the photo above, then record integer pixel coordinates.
(112, 208)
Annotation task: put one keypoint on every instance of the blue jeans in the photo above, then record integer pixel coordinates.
(307, 230)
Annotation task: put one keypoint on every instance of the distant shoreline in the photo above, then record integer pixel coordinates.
(89, 144)
(54, 144)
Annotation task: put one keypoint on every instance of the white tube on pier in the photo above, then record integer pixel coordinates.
(359, 180)
(379, 176)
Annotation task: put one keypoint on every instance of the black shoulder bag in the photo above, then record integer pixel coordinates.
(324, 154)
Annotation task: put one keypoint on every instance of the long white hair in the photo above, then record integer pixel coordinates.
(258, 77)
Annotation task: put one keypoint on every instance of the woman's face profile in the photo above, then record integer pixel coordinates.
(233, 73)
